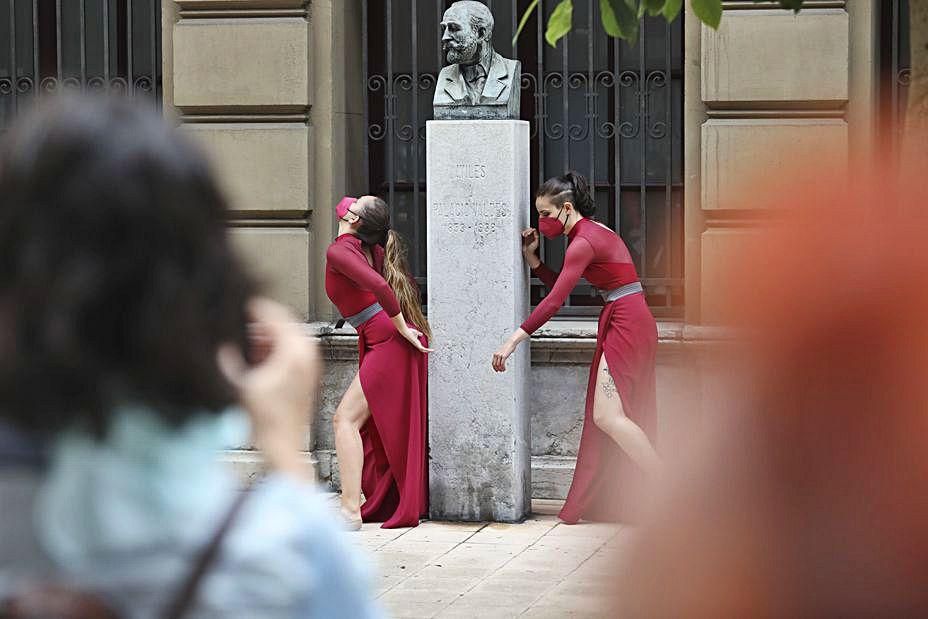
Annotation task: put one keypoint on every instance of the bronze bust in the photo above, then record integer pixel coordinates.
(477, 83)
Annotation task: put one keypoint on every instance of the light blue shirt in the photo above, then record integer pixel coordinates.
(127, 516)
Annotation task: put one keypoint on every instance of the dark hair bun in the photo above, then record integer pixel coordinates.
(375, 222)
(583, 198)
(573, 184)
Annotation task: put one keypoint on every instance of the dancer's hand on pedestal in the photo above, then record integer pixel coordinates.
(501, 355)
(278, 390)
(530, 247)
(412, 336)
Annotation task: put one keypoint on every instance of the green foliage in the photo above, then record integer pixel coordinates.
(671, 9)
(560, 22)
(709, 12)
(621, 18)
(528, 13)
(653, 7)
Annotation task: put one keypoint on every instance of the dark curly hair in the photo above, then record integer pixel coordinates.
(117, 279)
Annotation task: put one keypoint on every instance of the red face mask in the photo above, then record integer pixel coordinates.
(344, 206)
(551, 227)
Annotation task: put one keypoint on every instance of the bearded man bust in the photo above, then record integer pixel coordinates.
(478, 83)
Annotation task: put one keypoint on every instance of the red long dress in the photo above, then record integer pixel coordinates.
(394, 378)
(627, 335)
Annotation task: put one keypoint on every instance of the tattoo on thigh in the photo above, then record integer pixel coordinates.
(609, 385)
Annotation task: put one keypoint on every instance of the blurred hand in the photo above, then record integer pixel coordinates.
(278, 389)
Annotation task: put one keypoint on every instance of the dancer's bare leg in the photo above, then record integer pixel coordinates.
(609, 416)
(350, 415)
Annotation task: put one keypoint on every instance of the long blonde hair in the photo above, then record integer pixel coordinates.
(396, 272)
(375, 230)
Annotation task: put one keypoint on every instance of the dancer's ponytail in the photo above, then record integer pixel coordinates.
(396, 272)
(569, 187)
(582, 197)
(375, 230)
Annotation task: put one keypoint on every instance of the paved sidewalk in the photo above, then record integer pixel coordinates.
(539, 569)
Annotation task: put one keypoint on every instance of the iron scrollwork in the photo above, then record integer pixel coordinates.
(608, 111)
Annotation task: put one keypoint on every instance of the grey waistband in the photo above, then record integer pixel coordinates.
(364, 315)
(622, 291)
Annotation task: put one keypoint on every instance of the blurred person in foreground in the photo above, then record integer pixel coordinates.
(811, 498)
(130, 335)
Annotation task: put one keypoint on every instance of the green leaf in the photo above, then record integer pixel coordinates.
(672, 9)
(619, 19)
(653, 7)
(560, 22)
(610, 21)
(528, 13)
(709, 12)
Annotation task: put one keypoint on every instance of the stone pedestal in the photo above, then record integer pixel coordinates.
(478, 202)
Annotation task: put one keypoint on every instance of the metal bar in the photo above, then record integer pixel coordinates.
(154, 50)
(106, 44)
(591, 99)
(893, 131)
(541, 94)
(902, 19)
(157, 86)
(36, 69)
(388, 94)
(513, 25)
(13, 85)
(416, 219)
(58, 37)
(642, 144)
(617, 135)
(130, 85)
(668, 186)
(540, 108)
(565, 102)
(364, 89)
(83, 37)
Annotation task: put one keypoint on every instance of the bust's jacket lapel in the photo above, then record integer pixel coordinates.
(497, 79)
(454, 84)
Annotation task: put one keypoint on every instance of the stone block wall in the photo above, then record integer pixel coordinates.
(239, 80)
(767, 89)
(261, 85)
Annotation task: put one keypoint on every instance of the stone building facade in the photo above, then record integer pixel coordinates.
(269, 88)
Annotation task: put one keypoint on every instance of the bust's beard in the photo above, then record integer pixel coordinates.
(467, 54)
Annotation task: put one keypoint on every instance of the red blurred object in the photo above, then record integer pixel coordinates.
(810, 497)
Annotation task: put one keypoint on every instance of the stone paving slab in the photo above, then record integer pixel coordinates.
(538, 569)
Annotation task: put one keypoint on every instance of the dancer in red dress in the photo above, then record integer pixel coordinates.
(615, 448)
(381, 421)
